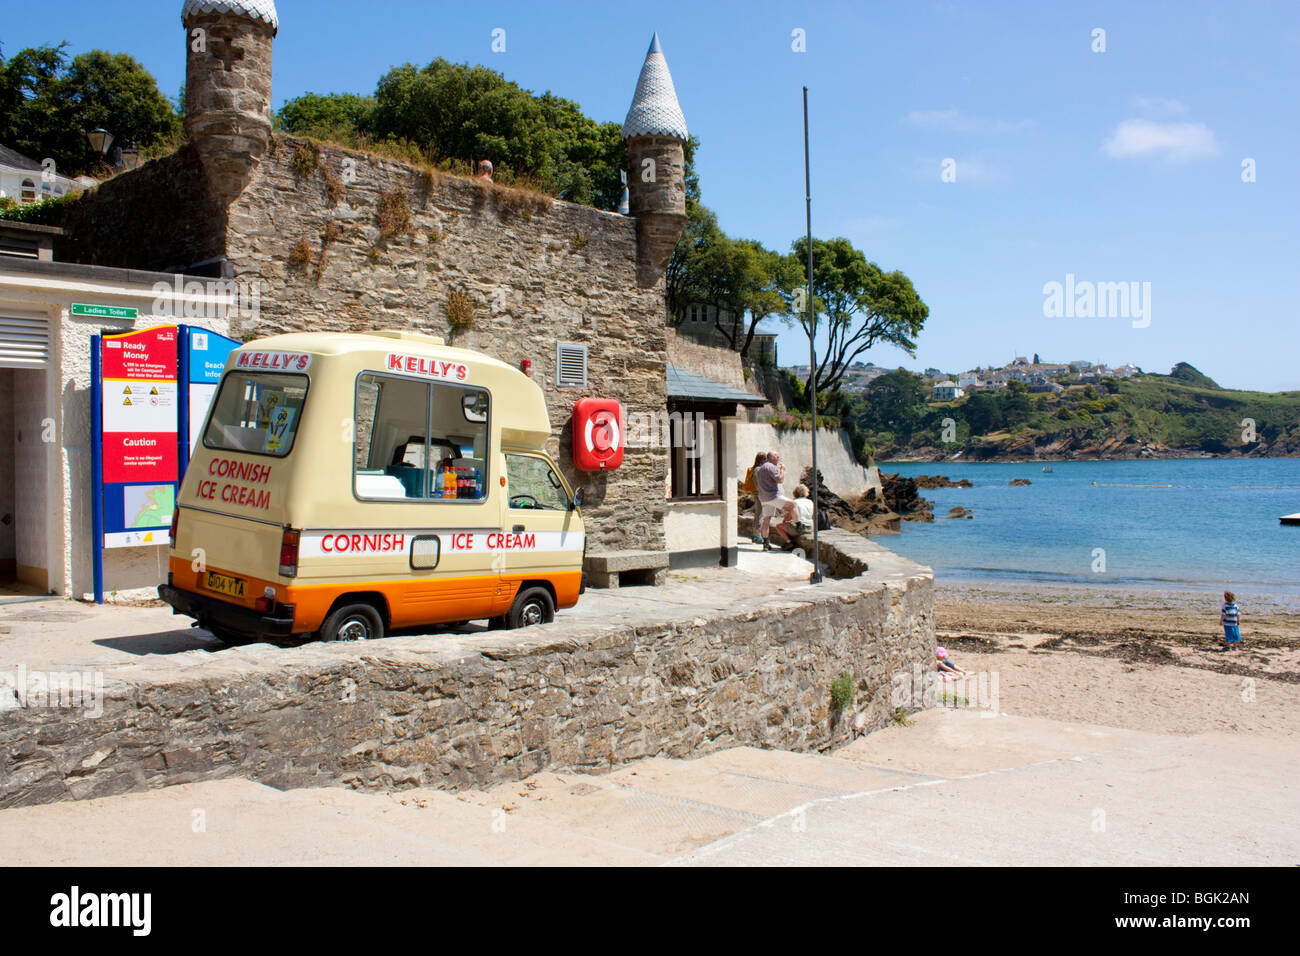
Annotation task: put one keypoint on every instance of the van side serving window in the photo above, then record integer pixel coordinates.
(419, 440)
(256, 413)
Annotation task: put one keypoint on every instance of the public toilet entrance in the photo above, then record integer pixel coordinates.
(25, 440)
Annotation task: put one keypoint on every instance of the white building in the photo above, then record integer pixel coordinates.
(24, 180)
(946, 391)
(46, 516)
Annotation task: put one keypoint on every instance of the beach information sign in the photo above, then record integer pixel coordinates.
(138, 429)
(205, 355)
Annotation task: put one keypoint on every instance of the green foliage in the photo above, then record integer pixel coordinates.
(48, 103)
(842, 693)
(326, 117)
(894, 416)
(856, 303)
(453, 114)
(472, 113)
(738, 276)
(1192, 376)
(47, 212)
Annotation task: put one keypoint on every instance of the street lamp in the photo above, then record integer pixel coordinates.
(100, 140)
(130, 157)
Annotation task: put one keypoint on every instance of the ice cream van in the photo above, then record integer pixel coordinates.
(348, 485)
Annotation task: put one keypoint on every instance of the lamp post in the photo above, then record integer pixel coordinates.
(816, 576)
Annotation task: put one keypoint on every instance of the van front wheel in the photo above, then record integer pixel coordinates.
(353, 622)
(533, 606)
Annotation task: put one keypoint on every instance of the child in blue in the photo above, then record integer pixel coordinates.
(1230, 618)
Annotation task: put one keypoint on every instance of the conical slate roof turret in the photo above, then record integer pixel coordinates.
(655, 110)
(263, 10)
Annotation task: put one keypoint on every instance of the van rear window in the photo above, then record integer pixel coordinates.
(257, 413)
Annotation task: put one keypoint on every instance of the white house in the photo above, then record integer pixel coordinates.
(24, 180)
(946, 391)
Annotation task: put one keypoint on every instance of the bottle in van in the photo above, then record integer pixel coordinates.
(450, 482)
(438, 479)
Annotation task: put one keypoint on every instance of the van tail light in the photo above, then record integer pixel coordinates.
(266, 603)
(176, 517)
(289, 553)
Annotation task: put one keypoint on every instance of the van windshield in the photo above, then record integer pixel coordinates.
(257, 413)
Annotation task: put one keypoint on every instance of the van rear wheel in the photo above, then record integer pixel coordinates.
(353, 622)
(533, 606)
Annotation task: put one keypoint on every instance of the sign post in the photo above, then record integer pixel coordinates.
(137, 453)
(149, 396)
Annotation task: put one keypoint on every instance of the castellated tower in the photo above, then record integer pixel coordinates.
(655, 132)
(228, 87)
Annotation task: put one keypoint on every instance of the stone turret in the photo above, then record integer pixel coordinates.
(228, 88)
(655, 132)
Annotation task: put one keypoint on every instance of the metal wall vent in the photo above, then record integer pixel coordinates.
(571, 365)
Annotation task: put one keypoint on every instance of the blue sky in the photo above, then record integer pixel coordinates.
(1115, 166)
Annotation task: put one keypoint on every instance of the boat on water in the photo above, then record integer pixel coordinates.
(1290, 519)
(1047, 469)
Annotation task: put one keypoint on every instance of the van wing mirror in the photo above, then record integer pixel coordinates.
(577, 500)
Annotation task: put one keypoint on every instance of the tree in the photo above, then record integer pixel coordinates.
(740, 278)
(468, 113)
(894, 401)
(48, 104)
(860, 303)
(983, 413)
(331, 116)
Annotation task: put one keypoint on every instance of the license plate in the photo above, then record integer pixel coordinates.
(222, 584)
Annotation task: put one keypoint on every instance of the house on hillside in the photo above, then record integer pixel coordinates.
(946, 391)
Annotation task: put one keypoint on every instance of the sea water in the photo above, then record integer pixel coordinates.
(1198, 524)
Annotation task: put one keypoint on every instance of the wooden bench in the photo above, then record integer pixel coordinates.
(609, 569)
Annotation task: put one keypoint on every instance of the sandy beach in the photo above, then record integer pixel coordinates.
(1143, 660)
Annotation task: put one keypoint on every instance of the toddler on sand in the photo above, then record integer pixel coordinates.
(1230, 618)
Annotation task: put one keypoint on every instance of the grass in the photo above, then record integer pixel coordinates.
(842, 693)
(899, 718)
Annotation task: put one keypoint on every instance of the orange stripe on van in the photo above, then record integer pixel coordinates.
(412, 602)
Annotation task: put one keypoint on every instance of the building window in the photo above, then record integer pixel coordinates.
(695, 457)
(29, 190)
(571, 365)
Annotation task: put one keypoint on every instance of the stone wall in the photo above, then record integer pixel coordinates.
(476, 710)
(721, 365)
(338, 240)
(840, 470)
(159, 217)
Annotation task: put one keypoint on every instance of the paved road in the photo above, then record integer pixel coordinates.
(952, 788)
